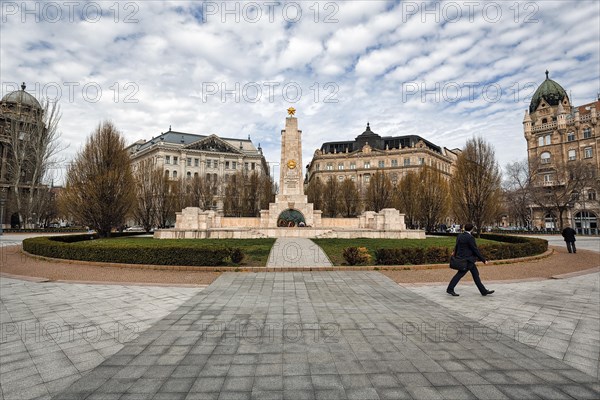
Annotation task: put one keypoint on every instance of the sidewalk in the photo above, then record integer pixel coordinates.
(336, 335)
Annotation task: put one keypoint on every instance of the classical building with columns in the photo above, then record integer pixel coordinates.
(559, 133)
(185, 155)
(369, 152)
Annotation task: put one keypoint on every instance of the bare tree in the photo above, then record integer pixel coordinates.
(406, 198)
(475, 187)
(99, 183)
(148, 177)
(557, 187)
(167, 201)
(434, 196)
(349, 198)
(379, 192)
(517, 192)
(34, 145)
(314, 193)
(331, 197)
(267, 192)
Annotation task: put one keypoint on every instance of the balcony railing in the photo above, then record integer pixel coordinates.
(544, 127)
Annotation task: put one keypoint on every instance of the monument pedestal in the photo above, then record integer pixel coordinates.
(291, 215)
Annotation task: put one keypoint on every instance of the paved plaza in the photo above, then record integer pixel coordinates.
(356, 335)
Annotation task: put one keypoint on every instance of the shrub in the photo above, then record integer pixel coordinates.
(356, 255)
(506, 247)
(173, 254)
(236, 255)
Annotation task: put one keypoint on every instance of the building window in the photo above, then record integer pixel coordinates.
(189, 162)
(587, 152)
(226, 164)
(189, 175)
(167, 159)
(592, 195)
(318, 166)
(208, 163)
(541, 141)
(353, 178)
(340, 178)
(545, 157)
(406, 162)
(340, 166)
(421, 161)
(167, 173)
(367, 164)
(367, 178)
(547, 178)
(196, 175)
(587, 133)
(352, 165)
(246, 166)
(572, 155)
(196, 162)
(548, 139)
(175, 160)
(253, 166)
(381, 164)
(570, 136)
(233, 165)
(174, 174)
(329, 166)
(394, 163)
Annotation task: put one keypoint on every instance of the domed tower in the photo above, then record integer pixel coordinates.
(20, 115)
(544, 106)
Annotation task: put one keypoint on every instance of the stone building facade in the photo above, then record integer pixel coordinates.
(185, 155)
(557, 133)
(369, 152)
(21, 115)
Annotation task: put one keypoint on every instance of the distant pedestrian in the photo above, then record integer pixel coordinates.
(466, 248)
(569, 234)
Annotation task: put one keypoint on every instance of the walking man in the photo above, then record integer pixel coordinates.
(569, 234)
(466, 248)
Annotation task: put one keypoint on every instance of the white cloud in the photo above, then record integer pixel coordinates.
(368, 53)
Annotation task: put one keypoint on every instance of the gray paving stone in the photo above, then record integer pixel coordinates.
(391, 340)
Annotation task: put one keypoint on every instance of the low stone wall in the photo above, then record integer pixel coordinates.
(243, 222)
(241, 233)
(348, 223)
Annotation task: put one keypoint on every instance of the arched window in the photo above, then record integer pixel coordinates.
(592, 195)
(587, 133)
(174, 174)
(545, 157)
(544, 121)
(541, 141)
(189, 175)
(167, 173)
(570, 136)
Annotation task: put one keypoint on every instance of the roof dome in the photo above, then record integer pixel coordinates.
(550, 91)
(21, 97)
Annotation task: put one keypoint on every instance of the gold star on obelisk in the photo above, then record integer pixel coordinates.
(291, 111)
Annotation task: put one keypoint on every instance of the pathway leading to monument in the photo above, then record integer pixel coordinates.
(296, 252)
(336, 335)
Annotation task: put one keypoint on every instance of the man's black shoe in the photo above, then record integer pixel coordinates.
(452, 293)
(487, 292)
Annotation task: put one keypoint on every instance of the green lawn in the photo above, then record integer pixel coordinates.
(334, 247)
(256, 250)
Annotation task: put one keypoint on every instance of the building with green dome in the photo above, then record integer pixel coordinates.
(562, 141)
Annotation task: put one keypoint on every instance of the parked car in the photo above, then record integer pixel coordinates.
(135, 229)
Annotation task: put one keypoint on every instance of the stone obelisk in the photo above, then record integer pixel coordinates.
(291, 183)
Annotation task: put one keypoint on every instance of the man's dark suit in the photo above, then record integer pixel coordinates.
(467, 249)
(569, 234)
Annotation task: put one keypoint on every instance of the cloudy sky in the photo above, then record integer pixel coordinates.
(446, 71)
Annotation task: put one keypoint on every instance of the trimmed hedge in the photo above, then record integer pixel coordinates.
(66, 247)
(507, 247)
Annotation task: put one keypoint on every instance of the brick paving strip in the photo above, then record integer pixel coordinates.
(337, 335)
